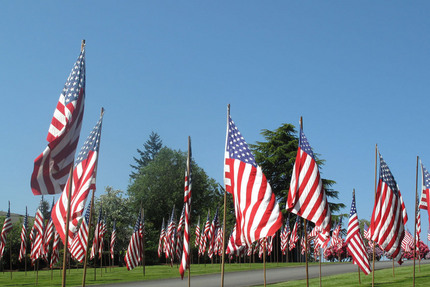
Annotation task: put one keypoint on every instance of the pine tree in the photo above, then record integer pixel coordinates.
(151, 148)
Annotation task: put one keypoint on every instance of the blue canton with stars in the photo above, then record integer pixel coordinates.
(304, 145)
(386, 175)
(353, 208)
(92, 142)
(87, 213)
(76, 80)
(426, 176)
(237, 147)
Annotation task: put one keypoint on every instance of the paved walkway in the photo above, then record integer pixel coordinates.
(255, 277)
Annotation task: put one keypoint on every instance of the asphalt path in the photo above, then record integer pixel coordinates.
(256, 277)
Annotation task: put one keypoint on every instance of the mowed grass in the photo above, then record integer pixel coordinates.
(120, 274)
(403, 276)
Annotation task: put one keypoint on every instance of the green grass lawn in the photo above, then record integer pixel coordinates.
(403, 275)
(120, 274)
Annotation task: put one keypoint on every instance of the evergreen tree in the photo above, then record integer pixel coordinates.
(160, 186)
(276, 156)
(151, 148)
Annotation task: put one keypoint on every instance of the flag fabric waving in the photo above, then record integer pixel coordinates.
(256, 209)
(355, 245)
(7, 227)
(113, 240)
(78, 248)
(306, 196)
(23, 248)
(97, 232)
(197, 233)
(187, 205)
(51, 167)
(161, 239)
(425, 195)
(389, 214)
(55, 255)
(39, 228)
(294, 237)
(84, 179)
(170, 236)
(203, 236)
(407, 242)
(132, 256)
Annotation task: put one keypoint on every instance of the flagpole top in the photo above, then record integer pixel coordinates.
(82, 44)
(301, 122)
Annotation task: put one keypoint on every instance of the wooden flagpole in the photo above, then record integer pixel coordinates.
(84, 275)
(190, 254)
(415, 219)
(10, 257)
(321, 255)
(264, 242)
(359, 279)
(374, 243)
(223, 220)
(306, 233)
(223, 235)
(69, 195)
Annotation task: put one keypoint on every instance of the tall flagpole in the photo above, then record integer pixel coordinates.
(264, 242)
(69, 195)
(306, 233)
(415, 219)
(190, 254)
(88, 240)
(374, 243)
(66, 242)
(223, 220)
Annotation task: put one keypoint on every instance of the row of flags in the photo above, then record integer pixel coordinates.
(257, 212)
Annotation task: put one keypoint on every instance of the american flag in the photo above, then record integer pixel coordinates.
(407, 242)
(7, 227)
(161, 239)
(197, 233)
(55, 255)
(232, 247)
(78, 248)
(22, 250)
(284, 238)
(418, 227)
(428, 235)
(203, 236)
(97, 232)
(51, 167)
(218, 242)
(39, 228)
(294, 237)
(102, 232)
(47, 236)
(187, 205)
(336, 236)
(113, 240)
(212, 234)
(355, 245)
(132, 256)
(32, 241)
(306, 196)
(84, 179)
(256, 209)
(389, 214)
(269, 240)
(425, 195)
(170, 236)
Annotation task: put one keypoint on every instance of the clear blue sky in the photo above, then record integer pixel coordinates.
(358, 72)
